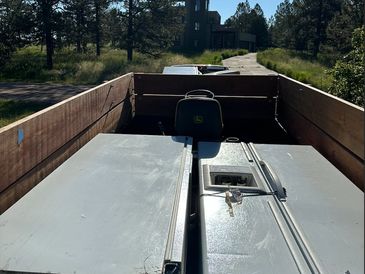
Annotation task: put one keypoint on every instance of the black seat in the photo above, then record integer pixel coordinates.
(199, 115)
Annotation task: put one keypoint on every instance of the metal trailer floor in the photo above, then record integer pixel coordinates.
(113, 207)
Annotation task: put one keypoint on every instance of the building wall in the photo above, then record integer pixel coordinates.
(196, 29)
(203, 30)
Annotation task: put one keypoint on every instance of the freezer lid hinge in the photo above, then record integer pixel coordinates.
(274, 180)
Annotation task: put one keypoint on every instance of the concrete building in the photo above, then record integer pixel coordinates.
(203, 30)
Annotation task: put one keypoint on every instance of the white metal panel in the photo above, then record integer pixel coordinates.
(252, 237)
(325, 206)
(108, 209)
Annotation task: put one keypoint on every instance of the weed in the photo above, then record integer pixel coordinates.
(11, 110)
(27, 64)
(298, 65)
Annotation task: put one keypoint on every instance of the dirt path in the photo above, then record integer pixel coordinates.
(247, 65)
(45, 93)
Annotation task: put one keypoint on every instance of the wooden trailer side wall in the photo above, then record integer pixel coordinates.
(331, 125)
(52, 135)
(241, 97)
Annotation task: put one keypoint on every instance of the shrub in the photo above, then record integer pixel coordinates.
(297, 65)
(113, 63)
(11, 110)
(89, 72)
(27, 64)
(232, 52)
(349, 73)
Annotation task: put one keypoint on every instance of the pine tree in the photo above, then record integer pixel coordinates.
(251, 21)
(302, 24)
(259, 26)
(16, 23)
(340, 28)
(46, 23)
(78, 16)
(152, 25)
(281, 29)
(99, 9)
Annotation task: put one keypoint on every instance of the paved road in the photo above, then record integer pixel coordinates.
(45, 93)
(247, 65)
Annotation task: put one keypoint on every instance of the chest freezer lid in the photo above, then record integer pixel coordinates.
(252, 238)
(107, 209)
(323, 204)
(217, 160)
(241, 237)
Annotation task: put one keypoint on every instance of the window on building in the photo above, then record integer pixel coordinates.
(196, 26)
(178, 40)
(183, 19)
(196, 43)
(197, 5)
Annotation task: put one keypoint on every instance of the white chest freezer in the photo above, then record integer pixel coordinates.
(277, 209)
(119, 205)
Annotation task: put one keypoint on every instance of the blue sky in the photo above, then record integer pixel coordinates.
(227, 8)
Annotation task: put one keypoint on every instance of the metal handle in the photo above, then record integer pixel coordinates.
(199, 93)
(232, 140)
(278, 188)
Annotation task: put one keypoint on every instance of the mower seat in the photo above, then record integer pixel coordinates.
(199, 115)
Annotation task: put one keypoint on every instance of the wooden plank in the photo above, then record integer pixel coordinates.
(233, 85)
(48, 130)
(18, 189)
(232, 107)
(307, 133)
(339, 119)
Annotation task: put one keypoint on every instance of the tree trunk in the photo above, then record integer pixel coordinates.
(47, 13)
(130, 32)
(78, 46)
(97, 29)
(318, 37)
(79, 30)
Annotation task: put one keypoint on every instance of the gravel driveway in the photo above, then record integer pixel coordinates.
(247, 65)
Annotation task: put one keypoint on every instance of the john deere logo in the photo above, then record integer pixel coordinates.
(198, 119)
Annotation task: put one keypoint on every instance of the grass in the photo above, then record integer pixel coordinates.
(296, 65)
(27, 64)
(216, 57)
(11, 110)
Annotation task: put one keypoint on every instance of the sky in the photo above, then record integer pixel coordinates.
(227, 8)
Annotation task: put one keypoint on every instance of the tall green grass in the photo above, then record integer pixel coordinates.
(297, 65)
(215, 57)
(70, 67)
(27, 64)
(12, 110)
